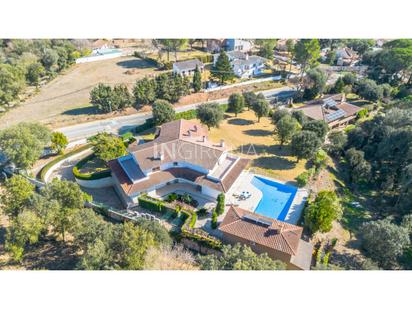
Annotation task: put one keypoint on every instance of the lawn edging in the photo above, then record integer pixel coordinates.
(46, 170)
(95, 180)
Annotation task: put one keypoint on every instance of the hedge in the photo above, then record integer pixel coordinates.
(46, 168)
(187, 229)
(188, 115)
(152, 204)
(89, 176)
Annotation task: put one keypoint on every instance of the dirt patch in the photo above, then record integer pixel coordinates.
(65, 100)
(221, 94)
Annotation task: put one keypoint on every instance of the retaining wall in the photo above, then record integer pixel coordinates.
(96, 183)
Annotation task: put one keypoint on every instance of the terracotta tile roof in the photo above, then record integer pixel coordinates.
(281, 236)
(315, 110)
(179, 140)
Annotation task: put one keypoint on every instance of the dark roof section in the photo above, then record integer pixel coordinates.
(189, 65)
(234, 173)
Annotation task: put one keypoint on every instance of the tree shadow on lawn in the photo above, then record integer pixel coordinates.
(258, 132)
(258, 149)
(135, 64)
(86, 110)
(274, 163)
(240, 122)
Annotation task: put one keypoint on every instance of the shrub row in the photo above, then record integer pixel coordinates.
(152, 204)
(46, 168)
(189, 220)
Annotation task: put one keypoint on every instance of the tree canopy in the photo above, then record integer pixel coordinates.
(236, 103)
(239, 257)
(261, 108)
(222, 69)
(107, 146)
(320, 213)
(163, 112)
(384, 241)
(285, 128)
(210, 114)
(305, 144)
(24, 143)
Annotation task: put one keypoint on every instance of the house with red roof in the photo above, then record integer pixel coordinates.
(280, 240)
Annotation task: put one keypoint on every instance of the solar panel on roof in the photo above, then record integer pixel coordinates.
(335, 115)
(257, 220)
(329, 102)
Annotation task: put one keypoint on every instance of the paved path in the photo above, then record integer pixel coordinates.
(123, 124)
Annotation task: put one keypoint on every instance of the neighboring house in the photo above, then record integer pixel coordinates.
(346, 56)
(243, 65)
(280, 240)
(181, 153)
(101, 44)
(188, 67)
(332, 109)
(214, 45)
(238, 45)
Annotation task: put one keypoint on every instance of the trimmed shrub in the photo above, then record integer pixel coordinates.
(193, 220)
(151, 204)
(188, 115)
(214, 220)
(220, 207)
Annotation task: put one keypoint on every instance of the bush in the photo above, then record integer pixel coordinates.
(303, 178)
(362, 113)
(202, 212)
(172, 197)
(188, 115)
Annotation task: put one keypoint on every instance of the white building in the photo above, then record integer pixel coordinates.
(188, 67)
(243, 65)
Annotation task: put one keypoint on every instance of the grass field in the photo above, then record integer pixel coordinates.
(65, 100)
(248, 138)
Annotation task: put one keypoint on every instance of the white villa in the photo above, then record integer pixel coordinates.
(180, 154)
(243, 65)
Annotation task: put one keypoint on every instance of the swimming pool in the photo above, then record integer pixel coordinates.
(276, 198)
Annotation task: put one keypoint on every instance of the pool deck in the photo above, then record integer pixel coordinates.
(244, 183)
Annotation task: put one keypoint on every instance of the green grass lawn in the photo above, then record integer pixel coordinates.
(93, 165)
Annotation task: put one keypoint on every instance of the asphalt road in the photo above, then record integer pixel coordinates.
(120, 125)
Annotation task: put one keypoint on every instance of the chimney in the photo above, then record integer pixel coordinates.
(247, 57)
(189, 133)
(160, 156)
(204, 138)
(222, 143)
(195, 128)
(343, 99)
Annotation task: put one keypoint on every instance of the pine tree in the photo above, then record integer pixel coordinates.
(222, 69)
(197, 80)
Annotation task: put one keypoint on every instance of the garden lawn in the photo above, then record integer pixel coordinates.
(93, 165)
(250, 139)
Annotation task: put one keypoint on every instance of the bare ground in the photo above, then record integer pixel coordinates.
(65, 100)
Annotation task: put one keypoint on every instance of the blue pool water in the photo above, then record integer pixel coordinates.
(276, 199)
